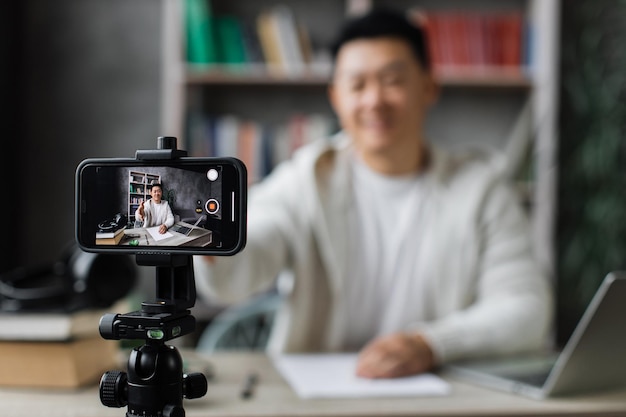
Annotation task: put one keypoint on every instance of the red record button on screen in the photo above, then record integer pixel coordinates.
(212, 206)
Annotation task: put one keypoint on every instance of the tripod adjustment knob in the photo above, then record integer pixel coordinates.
(194, 385)
(114, 389)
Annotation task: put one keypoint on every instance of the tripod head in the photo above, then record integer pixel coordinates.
(155, 385)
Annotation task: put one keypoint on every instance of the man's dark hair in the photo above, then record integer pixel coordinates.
(384, 22)
(156, 184)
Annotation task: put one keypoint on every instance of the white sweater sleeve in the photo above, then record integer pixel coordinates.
(267, 251)
(169, 220)
(513, 309)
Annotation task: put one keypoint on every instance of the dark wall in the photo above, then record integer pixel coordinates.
(183, 188)
(91, 88)
(8, 95)
(592, 154)
(9, 113)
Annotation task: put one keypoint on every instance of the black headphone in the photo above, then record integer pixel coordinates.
(78, 280)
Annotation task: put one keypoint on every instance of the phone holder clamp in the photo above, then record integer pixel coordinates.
(166, 149)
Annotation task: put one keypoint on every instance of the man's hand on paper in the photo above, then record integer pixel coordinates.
(394, 356)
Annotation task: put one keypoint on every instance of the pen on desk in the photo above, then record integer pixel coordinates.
(249, 385)
(147, 243)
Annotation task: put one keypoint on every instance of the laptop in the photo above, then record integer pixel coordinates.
(185, 230)
(593, 359)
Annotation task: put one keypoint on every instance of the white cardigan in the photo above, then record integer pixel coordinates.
(486, 294)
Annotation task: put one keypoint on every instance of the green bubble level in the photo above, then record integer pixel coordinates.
(157, 334)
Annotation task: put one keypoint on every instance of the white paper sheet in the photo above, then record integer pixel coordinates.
(333, 376)
(154, 232)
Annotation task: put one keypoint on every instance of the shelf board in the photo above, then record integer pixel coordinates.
(252, 76)
(485, 77)
(493, 77)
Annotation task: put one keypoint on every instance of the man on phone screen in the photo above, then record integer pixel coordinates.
(156, 211)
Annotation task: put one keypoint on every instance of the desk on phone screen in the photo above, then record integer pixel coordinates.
(198, 237)
(273, 397)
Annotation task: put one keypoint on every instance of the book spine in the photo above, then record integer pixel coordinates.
(200, 37)
(286, 30)
(230, 40)
(269, 43)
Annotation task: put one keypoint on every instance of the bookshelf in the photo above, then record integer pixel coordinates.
(139, 185)
(510, 107)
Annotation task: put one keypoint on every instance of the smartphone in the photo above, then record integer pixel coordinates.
(194, 206)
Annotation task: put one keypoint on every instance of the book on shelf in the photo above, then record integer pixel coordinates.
(223, 142)
(268, 39)
(200, 32)
(66, 364)
(288, 38)
(213, 38)
(248, 141)
(285, 40)
(230, 43)
(138, 179)
(251, 42)
(474, 40)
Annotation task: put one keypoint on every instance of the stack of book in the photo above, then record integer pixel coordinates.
(461, 40)
(110, 238)
(54, 350)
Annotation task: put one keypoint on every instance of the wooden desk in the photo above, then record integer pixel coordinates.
(273, 397)
(198, 237)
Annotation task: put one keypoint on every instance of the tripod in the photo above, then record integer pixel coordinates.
(155, 384)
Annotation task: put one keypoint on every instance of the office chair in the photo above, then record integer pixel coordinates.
(243, 326)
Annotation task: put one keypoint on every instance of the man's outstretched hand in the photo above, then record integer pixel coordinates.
(141, 210)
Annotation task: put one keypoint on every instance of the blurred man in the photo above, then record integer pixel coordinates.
(402, 251)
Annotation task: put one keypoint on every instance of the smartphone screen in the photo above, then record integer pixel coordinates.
(185, 205)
